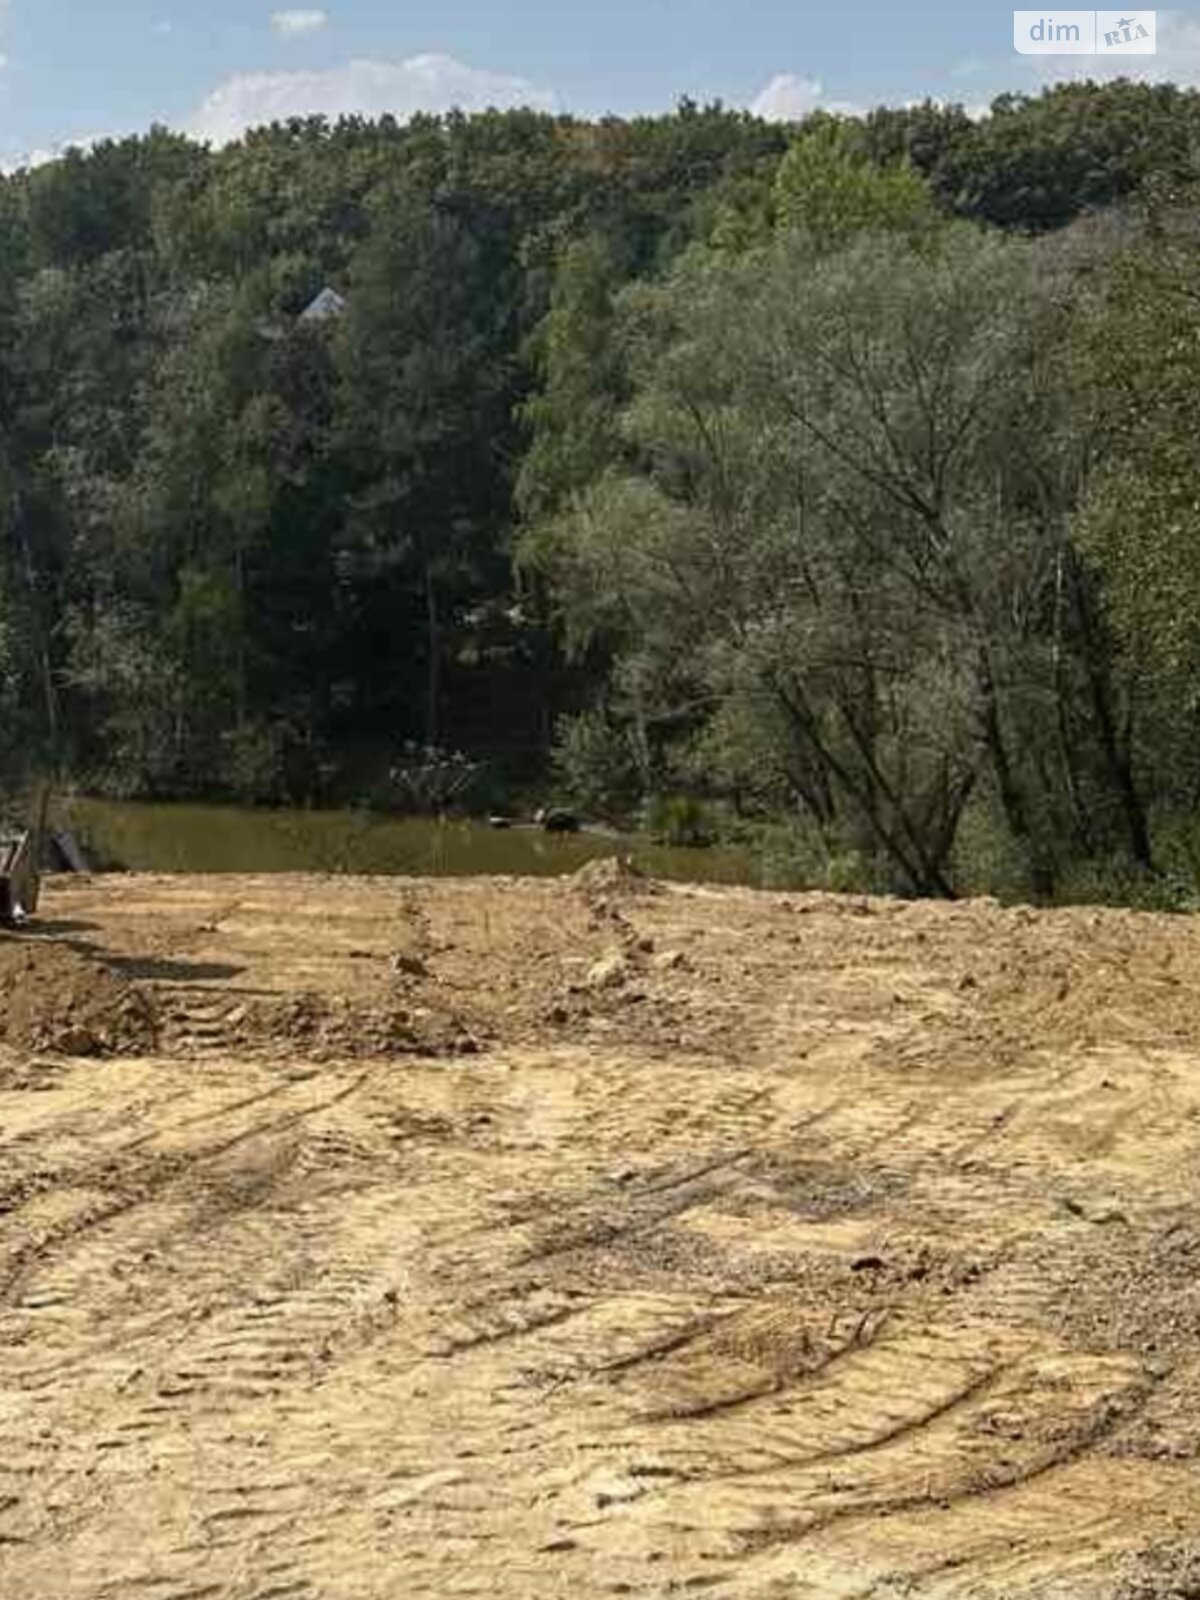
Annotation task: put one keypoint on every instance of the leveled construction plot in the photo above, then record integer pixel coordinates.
(366, 1239)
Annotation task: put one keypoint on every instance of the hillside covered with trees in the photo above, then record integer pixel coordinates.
(840, 479)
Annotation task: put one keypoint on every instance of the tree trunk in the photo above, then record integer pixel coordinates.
(925, 875)
(434, 675)
(1115, 745)
(37, 624)
(1011, 799)
(1084, 839)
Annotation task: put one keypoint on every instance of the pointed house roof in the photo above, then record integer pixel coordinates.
(329, 303)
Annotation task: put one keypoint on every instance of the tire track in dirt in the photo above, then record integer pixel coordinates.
(778, 1273)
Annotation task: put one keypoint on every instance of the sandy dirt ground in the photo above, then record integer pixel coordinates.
(366, 1239)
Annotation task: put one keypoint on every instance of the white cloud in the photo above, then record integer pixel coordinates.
(1178, 58)
(432, 83)
(28, 160)
(1177, 61)
(788, 98)
(291, 23)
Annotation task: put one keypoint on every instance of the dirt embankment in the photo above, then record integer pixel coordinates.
(366, 1239)
(53, 999)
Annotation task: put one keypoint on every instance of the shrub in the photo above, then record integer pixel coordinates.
(426, 780)
(679, 820)
(595, 764)
(255, 764)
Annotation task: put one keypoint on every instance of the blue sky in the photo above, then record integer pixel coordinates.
(76, 69)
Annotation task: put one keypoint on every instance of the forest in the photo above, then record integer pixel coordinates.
(835, 482)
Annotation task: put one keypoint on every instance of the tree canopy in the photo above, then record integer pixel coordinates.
(843, 473)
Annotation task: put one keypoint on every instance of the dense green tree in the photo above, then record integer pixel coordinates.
(1135, 355)
(837, 562)
(572, 418)
(1037, 162)
(421, 407)
(822, 505)
(829, 187)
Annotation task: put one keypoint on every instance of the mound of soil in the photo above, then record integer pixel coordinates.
(327, 1027)
(613, 875)
(56, 1001)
